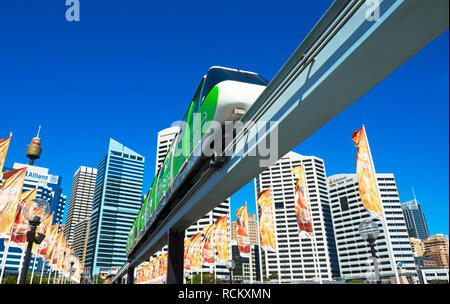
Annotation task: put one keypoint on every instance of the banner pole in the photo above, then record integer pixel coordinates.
(250, 253)
(34, 265)
(22, 255)
(259, 238)
(42, 271)
(384, 221)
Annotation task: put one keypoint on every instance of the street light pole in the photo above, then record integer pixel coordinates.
(369, 231)
(231, 265)
(31, 238)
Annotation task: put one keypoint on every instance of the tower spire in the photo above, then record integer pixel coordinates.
(414, 194)
(34, 150)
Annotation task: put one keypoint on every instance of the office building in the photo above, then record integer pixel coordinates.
(422, 263)
(299, 259)
(165, 138)
(436, 247)
(348, 212)
(428, 275)
(80, 202)
(80, 238)
(415, 220)
(116, 203)
(243, 268)
(417, 246)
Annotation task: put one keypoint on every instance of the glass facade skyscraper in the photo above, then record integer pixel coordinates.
(415, 220)
(116, 203)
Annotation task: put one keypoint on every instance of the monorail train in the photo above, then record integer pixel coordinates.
(223, 95)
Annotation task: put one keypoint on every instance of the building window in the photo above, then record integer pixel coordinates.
(344, 203)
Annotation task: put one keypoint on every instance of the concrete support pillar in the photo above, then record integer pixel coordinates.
(175, 259)
(130, 275)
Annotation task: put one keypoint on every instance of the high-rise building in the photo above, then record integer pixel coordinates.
(116, 203)
(417, 246)
(299, 259)
(415, 220)
(348, 212)
(80, 238)
(80, 202)
(436, 247)
(165, 138)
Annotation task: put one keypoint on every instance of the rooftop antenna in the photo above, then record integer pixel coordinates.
(39, 130)
(414, 194)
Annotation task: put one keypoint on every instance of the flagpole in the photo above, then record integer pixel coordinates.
(384, 221)
(34, 263)
(50, 264)
(42, 270)
(250, 257)
(313, 239)
(22, 255)
(259, 238)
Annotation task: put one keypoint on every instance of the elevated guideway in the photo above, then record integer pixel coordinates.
(346, 54)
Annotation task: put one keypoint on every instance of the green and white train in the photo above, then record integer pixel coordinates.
(223, 95)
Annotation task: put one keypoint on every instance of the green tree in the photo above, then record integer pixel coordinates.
(355, 281)
(208, 278)
(438, 282)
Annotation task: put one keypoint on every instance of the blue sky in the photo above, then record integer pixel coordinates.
(129, 68)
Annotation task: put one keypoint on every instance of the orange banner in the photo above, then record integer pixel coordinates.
(57, 249)
(242, 238)
(9, 199)
(195, 252)
(221, 236)
(187, 259)
(21, 225)
(4, 145)
(51, 240)
(45, 228)
(266, 228)
(208, 245)
(165, 257)
(366, 175)
(152, 270)
(301, 207)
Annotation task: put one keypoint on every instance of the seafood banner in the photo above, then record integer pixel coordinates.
(366, 175)
(242, 238)
(221, 236)
(302, 208)
(266, 228)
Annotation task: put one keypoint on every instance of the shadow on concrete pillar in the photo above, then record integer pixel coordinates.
(175, 259)
(130, 275)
